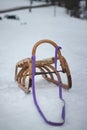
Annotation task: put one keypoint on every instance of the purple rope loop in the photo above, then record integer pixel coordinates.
(35, 99)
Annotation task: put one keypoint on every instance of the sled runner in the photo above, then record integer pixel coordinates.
(47, 68)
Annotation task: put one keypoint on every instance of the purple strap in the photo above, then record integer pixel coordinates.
(34, 94)
(56, 54)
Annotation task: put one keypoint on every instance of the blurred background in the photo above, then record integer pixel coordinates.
(74, 8)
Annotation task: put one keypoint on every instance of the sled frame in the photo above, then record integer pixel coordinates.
(23, 69)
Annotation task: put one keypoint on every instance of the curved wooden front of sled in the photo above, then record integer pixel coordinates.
(47, 68)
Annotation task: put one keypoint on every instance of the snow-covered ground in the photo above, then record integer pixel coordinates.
(17, 37)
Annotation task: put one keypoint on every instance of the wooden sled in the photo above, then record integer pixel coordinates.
(46, 68)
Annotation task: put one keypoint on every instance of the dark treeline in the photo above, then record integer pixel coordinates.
(76, 8)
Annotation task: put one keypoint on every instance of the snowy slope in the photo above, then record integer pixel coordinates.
(17, 110)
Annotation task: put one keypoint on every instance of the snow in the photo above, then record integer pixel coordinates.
(17, 38)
